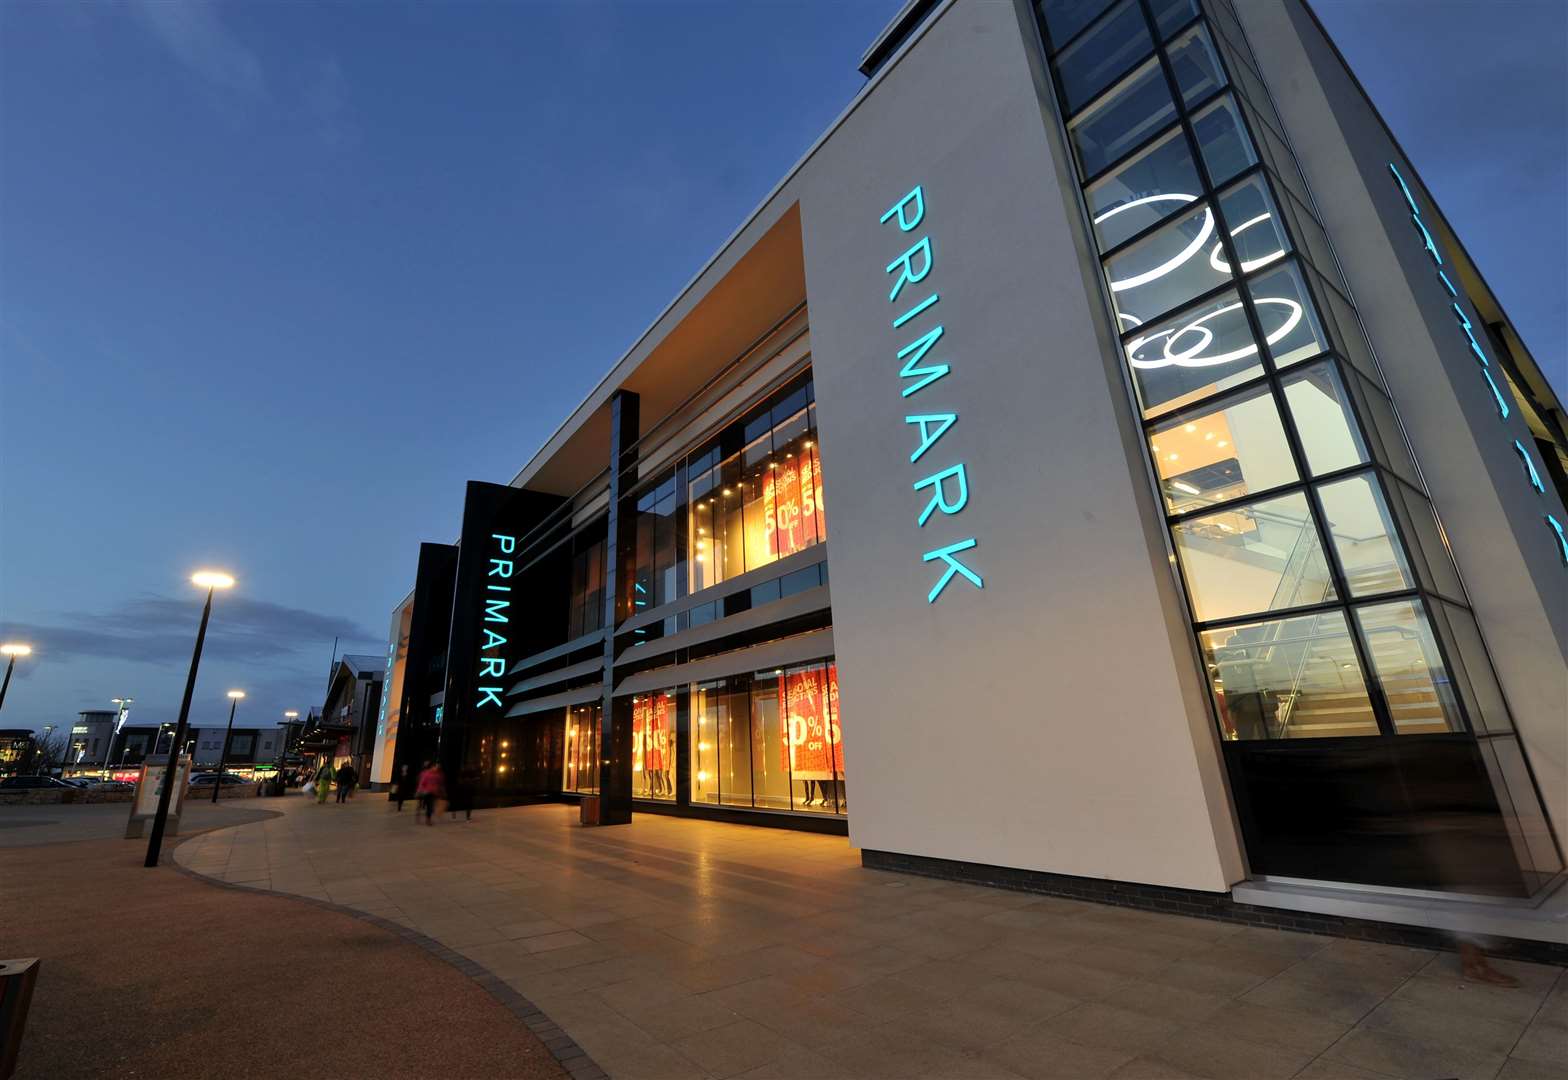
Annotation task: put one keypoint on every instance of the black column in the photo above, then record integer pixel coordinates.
(615, 718)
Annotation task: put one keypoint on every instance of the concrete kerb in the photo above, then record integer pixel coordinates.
(562, 1047)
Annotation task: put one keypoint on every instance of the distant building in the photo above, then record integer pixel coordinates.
(90, 737)
(16, 750)
(352, 704)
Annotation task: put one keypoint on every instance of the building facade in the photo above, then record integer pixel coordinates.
(1097, 458)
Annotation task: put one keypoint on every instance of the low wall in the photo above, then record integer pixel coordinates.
(60, 796)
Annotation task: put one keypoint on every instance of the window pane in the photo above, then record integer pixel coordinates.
(1066, 17)
(1131, 112)
(733, 734)
(1161, 272)
(1183, 358)
(1222, 453)
(1196, 65)
(1380, 412)
(582, 749)
(809, 741)
(653, 746)
(1288, 679)
(706, 702)
(1288, 316)
(1090, 64)
(1488, 709)
(1222, 140)
(1255, 558)
(1321, 410)
(1256, 228)
(1415, 513)
(1170, 14)
(1407, 665)
(1362, 532)
(1153, 184)
(769, 753)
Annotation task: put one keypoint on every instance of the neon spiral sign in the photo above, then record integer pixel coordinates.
(1467, 328)
(1184, 346)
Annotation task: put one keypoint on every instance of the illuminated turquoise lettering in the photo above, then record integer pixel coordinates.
(912, 312)
(489, 695)
(1464, 324)
(1529, 466)
(906, 260)
(1502, 406)
(508, 543)
(495, 610)
(1400, 180)
(493, 640)
(910, 370)
(939, 497)
(953, 567)
(500, 568)
(1426, 239)
(1562, 541)
(946, 419)
(904, 222)
(492, 665)
(1449, 285)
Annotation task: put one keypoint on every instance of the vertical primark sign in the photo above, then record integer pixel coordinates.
(492, 626)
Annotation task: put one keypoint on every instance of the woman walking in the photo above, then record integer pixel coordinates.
(323, 782)
(432, 786)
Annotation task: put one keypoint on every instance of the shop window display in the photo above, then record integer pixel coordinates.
(582, 749)
(770, 741)
(653, 746)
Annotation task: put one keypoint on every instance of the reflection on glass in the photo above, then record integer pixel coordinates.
(1257, 231)
(1321, 409)
(1214, 456)
(1362, 532)
(1088, 65)
(1166, 269)
(1130, 112)
(1289, 318)
(1184, 358)
(1409, 668)
(1171, 14)
(653, 746)
(1488, 710)
(1288, 679)
(1251, 559)
(1416, 514)
(1066, 18)
(1222, 140)
(585, 610)
(582, 749)
(1196, 65)
(1151, 185)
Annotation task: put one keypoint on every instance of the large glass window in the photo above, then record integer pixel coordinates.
(1222, 140)
(770, 741)
(1288, 679)
(1288, 317)
(585, 611)
(1166, 269)
(1261, 557)
(1151, 185)
(1321, 409)
(1089, 64)
(1363, 535)
(582, 749)
(1221, 452)
(761, 502)
(1190, 355)
(1256, 228)
(654, 581)
(1196, 65)
(1409, 668)
(653, 746)
(1136, 108)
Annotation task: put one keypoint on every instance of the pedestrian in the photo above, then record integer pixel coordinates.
(404, 788)
(346, 777)
(323, 782)
(432, 786)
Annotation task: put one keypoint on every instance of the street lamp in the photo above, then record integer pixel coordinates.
(45, 748)
(13, 649)
(211, 580)
(125, 712)
(223, 755)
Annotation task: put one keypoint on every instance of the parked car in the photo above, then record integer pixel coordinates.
(16, 783)
(208, 779)
(110, 785)
(78, 781)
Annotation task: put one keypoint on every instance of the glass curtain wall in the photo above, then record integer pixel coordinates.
(1320, 588)
(769, 741)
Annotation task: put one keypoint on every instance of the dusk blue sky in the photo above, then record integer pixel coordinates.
(276, 279)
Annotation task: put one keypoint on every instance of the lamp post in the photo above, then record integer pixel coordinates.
(223, 755)
(13, 649)
(45, 748)
(125, 713)
(213, 581)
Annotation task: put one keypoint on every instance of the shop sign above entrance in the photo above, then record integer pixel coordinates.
(492, 658)
(948, 487)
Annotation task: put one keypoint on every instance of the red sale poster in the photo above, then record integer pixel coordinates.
(814, 524)
(835, 733)
(787, 497)
(807, 752)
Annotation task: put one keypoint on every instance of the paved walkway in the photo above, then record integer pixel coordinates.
(680, 948)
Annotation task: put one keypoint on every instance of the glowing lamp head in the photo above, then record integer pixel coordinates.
(236, 694)
(291, 714)
(16, 648)
(212, 579)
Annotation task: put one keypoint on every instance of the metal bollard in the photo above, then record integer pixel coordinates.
(16, 994)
